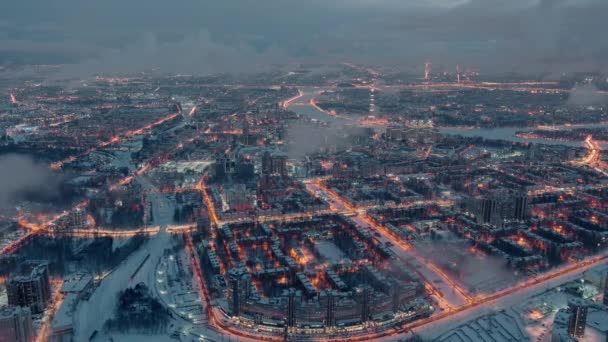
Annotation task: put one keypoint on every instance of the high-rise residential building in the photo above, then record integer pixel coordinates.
(606, 290)
(330, 298)
(274, 163)
(239, 289)
(486, 210)
(364, 296)
(266, 163)
(291, 307)
(496, 208)
(520, 212)
(578, 318)
(203, 224)
(224, 165)
(559, 329)
(394, 291)
(16, 325)
(30, 287)
(279, 164)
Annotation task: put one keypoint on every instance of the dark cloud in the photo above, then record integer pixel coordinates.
(514, 35)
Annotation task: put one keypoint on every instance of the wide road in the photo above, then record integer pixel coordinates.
(470, 307)
(448, 294)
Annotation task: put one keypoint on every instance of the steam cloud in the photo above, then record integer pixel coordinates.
(305, 138)
(476, 272)
(21, 178)
(586, 95)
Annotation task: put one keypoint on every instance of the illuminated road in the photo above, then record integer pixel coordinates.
(438, 324)
(313, 103)
(284, 217)
(193, 111)
(593, 153)
(115, 140)
(219, 324)
(202, 187)
(448, 293)
(471, 307)
(308, 100)
(285, 104)
(101, 232)
(592, 158)
(35, 229)
(442, 322)
(507, 297)
(47, 320)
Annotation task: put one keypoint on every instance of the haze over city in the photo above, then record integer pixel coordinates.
(282, 170)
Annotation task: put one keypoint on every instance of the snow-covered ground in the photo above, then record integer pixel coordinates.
(91, 314)
(531, 320)
(176, 288)
(515, 306)
(140, 338)
(495, 327)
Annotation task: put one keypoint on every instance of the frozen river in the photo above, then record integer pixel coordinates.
(302, 107)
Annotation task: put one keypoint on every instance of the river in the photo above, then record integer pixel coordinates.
(504, 133)
(302, 107)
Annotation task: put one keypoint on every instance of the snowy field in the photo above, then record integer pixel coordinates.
(176, 289)
(525, 316)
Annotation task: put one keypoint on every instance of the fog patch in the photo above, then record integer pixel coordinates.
(477, 271)
(23, 179)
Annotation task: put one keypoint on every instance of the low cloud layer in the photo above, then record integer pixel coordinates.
(196, 53)
(203, 36)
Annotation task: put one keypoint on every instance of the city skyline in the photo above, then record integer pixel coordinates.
(363, 170)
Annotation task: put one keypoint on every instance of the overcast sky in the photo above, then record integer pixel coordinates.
(203, 36)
